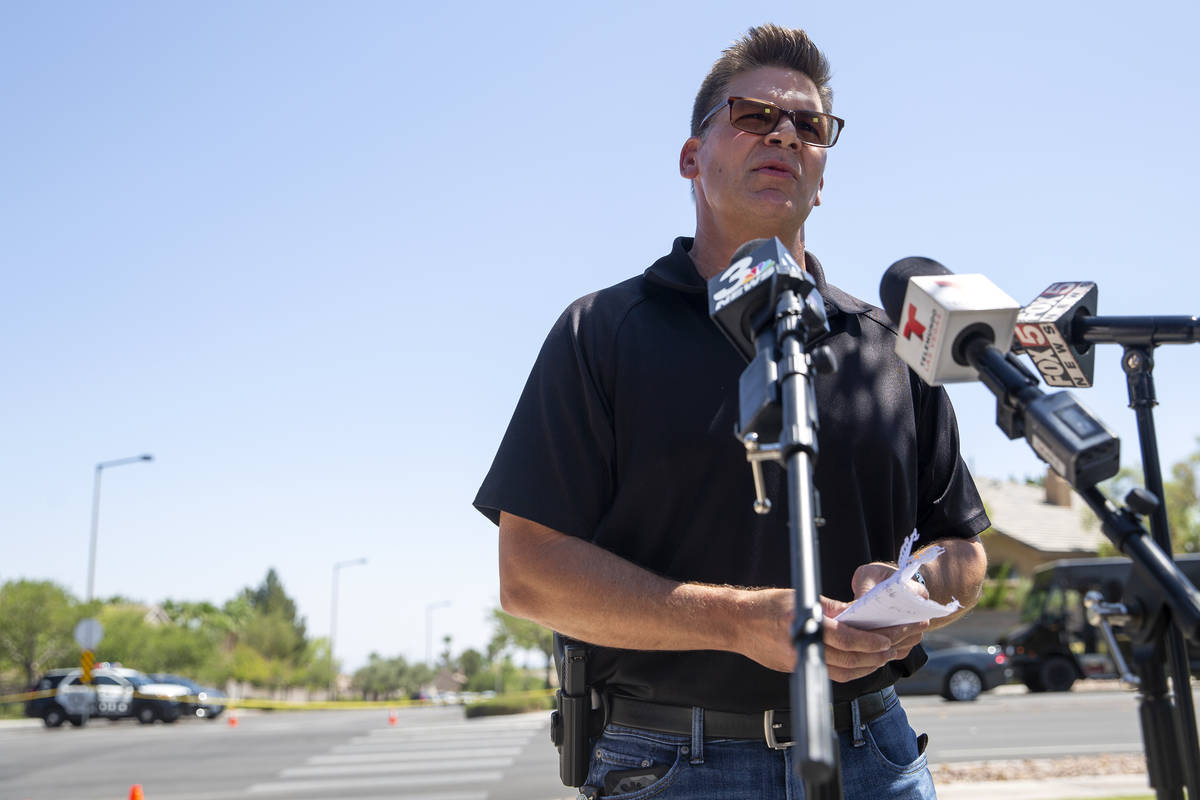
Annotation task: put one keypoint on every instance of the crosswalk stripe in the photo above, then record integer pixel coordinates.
(393, 796)
(499, 736)
(454, 754)
(343, 784)
(461, 726)
(381, 769)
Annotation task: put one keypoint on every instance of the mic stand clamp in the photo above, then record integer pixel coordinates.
(1103, 615)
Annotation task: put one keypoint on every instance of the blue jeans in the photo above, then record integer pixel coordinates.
(886, 761)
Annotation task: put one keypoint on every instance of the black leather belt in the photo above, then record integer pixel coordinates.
(765, 725)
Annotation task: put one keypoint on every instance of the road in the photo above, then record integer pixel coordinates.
(435, 754)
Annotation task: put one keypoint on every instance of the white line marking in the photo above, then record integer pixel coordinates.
(449, 754)
(342, 784)
(394, 796)
(504, 736)
(458, 726)
(381, 769)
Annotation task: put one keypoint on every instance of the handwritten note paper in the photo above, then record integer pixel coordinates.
(895, 600)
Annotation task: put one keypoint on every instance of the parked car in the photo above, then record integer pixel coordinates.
(115, 693)
(45, 707)
(202, 701)
(957, 670)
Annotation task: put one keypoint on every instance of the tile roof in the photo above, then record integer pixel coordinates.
(1022, 513)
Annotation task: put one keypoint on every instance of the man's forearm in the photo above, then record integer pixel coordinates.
(586, 592)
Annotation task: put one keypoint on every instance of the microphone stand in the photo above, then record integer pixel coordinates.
(1139, 336)
(1160, 604)
(780, 375)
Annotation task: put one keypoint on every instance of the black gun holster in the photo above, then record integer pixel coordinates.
(578, 714)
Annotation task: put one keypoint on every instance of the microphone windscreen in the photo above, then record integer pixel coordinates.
(894, 283)
(746, 249)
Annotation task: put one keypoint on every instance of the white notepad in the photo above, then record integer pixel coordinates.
(894, 601)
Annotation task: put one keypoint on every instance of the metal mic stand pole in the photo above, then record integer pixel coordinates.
(1138, 363)
(796, 321)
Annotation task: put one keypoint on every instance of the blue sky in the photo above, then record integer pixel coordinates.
(305, 253)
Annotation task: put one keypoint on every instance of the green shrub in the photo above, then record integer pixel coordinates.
(510, 704)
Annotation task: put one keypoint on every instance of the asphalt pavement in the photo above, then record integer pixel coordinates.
(356, 755)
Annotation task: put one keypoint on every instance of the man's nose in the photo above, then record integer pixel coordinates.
(785, 135)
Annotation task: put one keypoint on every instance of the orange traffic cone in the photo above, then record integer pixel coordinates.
(391, 716)
(135, 792)
(232, 718)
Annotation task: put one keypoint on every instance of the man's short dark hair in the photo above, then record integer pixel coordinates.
(766, 45)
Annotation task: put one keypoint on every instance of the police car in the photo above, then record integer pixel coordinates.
(116, 692)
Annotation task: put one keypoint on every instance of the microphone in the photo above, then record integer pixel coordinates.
(741, 299)
(937, 312)
(1058, 330)
(956, 317)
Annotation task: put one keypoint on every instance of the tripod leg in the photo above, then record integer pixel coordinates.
(831, 789)
(1158, 727)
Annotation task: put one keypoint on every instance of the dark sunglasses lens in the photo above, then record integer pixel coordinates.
(816, 129)
(753, 116)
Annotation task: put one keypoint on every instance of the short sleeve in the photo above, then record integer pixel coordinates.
(555, 464)
(949, 505)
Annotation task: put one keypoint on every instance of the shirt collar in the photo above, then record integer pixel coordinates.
(677, 271)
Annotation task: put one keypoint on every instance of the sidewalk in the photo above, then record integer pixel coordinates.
(20, 723)
(1050, 789)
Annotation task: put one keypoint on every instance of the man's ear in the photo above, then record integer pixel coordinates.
(689, 162)
(820, 186)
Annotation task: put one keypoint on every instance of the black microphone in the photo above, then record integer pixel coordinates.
(960, 324)
(742, 302)
(741, 299)
(1059, 327)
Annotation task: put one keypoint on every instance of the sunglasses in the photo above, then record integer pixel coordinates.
(760, 117)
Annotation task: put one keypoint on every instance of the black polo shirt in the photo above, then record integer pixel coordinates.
(623, 436)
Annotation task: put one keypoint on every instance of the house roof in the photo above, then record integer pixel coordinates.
(1021, 512)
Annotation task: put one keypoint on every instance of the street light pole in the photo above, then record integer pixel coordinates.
(354, 562)
(91, 580)
(429, 608)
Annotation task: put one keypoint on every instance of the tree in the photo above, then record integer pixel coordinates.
(470, 662)
(1181, 490)
(525, 635)
(385, 678)
(270, 600)
(1183, 504)
(36, 619)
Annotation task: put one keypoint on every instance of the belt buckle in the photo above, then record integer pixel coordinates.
(769, 731)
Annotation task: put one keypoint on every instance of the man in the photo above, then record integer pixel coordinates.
(625, 502)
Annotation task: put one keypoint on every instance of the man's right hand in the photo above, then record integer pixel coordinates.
(850, 653)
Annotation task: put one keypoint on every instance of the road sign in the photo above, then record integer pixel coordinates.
(85, 662)
(88, 633)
